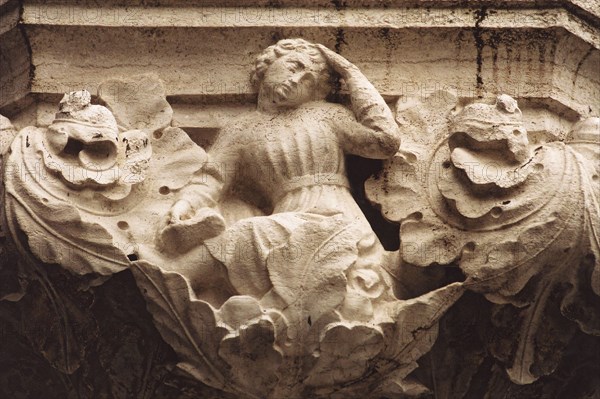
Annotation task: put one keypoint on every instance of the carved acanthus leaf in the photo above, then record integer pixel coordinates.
(138, 102)
(55, 230)
(185, 322)
(520, 220)
(297, 333)
(310, 281)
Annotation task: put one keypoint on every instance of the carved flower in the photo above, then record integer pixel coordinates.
(517, 218)
(365, 278)
(478, 190)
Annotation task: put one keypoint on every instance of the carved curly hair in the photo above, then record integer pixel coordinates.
(285, 46)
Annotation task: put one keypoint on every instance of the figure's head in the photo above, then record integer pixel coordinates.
(290, 73)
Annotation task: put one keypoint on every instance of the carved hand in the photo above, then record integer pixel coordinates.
(184, 228)
(368, 106)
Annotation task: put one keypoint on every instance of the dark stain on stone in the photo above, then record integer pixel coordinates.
(340, 39)
(339, 4)
(276, 36)
(480, 15)
(385, 33)
(274, 4)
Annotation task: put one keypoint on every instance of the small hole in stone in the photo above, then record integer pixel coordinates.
(516, 132)
(164, 190)
(469, 247)
(595, 177)
(415, 216)
(496, 211)
(446, 164)
(538, 167)
(45, 200)
(157, 135)
(566, 249)
(122, 225)
(132, 257)
(506, 202)
(73, 147)
(411, 158)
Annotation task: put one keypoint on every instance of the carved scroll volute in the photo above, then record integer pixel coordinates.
(519, 218)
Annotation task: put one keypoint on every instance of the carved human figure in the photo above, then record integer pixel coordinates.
(288, 154)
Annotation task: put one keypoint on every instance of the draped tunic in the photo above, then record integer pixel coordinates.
(295, 159)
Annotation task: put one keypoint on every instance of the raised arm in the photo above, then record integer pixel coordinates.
(376, 134)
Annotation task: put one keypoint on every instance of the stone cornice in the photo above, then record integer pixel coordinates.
(312, 17)
(62, 32)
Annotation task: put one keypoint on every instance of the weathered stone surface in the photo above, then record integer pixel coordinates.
(420, 222)
(519, 218)
(122, 98)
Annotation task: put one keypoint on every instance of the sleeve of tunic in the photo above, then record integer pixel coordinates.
(374, 136)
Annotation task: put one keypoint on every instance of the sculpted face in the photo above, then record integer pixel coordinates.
(291, 80)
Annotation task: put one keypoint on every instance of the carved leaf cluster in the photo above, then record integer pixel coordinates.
(530, 246)
(293, 342)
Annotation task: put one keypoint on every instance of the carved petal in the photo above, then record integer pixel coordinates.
(345, 354)
(250, 351)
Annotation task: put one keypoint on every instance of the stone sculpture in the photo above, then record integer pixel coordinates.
(519, 218)
(256, 263)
